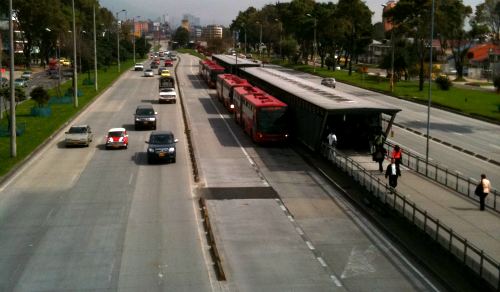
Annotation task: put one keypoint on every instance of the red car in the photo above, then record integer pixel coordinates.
(169, 63)
(117, 138)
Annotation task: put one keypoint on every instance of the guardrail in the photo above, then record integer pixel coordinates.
(451, 179)
(471, 256)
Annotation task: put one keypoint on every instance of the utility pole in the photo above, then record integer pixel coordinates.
(118, 37)
(429, 102)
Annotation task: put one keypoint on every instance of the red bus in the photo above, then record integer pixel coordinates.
(263, 117)
(213, 69)
(203, 67)
(238, 96)
(226, 83)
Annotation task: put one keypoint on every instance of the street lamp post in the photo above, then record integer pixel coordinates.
(430, 91)
(75, 76)
(95, 51)
(314, 41)
(13, 148)
(118, 38)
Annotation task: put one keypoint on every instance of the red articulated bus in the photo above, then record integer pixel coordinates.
(213, 69)
(263, 117)
(238, 96)
(203, 67)
(226, 83)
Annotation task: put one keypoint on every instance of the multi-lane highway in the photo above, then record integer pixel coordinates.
(96, 219)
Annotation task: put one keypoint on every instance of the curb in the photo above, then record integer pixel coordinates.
(214, 252)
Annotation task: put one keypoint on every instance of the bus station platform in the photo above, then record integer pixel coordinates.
(453, 220)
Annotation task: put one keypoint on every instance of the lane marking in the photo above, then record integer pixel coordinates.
(130, 178)
(309, 245)
(336, 281)
(495, 146)
(299, 231)
(459, 134)
(322, 262)
(283, 208)
(291, 218)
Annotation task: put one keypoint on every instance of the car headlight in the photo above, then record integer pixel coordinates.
(171, 150)
(137, 119)
(152, 119)
(151, 150)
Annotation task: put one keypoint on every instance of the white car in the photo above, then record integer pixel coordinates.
(139, 67)
(167, 95)
(148, 73)
(330, 82)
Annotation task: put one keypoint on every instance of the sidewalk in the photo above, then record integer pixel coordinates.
(480, 228)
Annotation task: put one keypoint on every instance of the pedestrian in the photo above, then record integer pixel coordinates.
(393, 173)
(396, 154)
(482, 190)
(332, 142)
(379, 151)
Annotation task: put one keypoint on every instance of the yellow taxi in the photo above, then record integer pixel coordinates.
(65, 62)
(165, 73)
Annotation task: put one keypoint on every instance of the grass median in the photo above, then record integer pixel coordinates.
(38, 129)
(474, 102)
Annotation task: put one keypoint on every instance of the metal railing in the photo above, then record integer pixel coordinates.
(451, 179)
(471, 256)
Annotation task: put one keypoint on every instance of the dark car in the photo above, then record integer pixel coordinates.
(161, 146)
(145, 117)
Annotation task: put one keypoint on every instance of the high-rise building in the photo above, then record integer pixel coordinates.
(211, 32)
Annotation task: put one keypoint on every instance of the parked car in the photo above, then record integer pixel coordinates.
(139, 67)
(78, 135)
(148, 73)
(117, 138)
(26, 75)
(145, 117)
(330, 82)
(161, 146)
(20, 82)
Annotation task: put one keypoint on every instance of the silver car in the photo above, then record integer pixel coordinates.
(330, 82)
(148, 73)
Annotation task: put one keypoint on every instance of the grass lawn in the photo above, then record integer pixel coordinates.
(192, 52)
(473, 102)
(38, 129)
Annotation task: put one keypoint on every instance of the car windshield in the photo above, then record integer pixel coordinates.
(161, 139)
(271, 120)
(145, 111)
(116, 134)
(167, 90)
(77, 130)
(19, 80)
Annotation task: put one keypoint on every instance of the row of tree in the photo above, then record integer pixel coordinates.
(344, 30)
(47, 25)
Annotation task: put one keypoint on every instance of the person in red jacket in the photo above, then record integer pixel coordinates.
(397, 156)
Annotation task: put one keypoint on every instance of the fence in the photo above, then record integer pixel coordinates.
(485, 266)
(451, 179)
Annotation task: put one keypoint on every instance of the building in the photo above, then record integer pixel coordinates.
(211, 32)
(193, 20)
(484, 61)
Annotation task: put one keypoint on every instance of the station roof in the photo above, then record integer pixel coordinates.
(233, 61)
(324, 97)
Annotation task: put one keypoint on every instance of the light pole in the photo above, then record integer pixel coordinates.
(13, 148)
(314, 41)
(75, 76)
(260, 40)
(95, 50)
(430, 91)
(118, 37)
(281, 34)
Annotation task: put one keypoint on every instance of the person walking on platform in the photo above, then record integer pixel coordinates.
(332, 142)
(379, 153)
(482, 190)
(396, 154)
(393, 173)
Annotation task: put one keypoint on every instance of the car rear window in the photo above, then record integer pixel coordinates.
(77, 130)
(116, 134)
(161, 139)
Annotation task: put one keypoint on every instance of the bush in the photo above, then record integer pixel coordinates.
(443, 82)
(496, 83)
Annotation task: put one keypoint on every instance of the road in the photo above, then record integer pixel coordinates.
(90, 219)
(471, 134)
(280, 226)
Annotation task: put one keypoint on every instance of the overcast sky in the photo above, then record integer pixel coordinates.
(211, 11)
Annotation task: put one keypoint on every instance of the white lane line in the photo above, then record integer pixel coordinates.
(459, 134)
(291, 218)
(130, 178)
(322, 262)
(283, 208)
(309, 245)
(336, 281)
(299, 231)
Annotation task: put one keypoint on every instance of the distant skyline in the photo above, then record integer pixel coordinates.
(212, 11)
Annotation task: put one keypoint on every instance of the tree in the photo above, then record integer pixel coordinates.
(181, 36)
(19, 95)
(40, 96)
(488, 14)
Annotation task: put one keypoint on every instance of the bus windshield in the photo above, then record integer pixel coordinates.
(271, 120)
